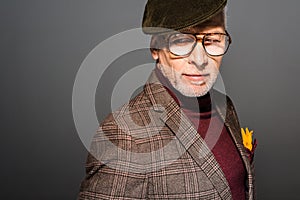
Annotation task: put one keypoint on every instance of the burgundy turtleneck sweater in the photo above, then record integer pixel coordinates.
(211, 128)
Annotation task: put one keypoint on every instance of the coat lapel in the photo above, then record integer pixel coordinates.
(229, 116)
(187, 135)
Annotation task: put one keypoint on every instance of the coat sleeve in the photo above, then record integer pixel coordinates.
(103, 182)
(109, 175)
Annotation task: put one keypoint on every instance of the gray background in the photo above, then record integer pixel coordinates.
(43, 43)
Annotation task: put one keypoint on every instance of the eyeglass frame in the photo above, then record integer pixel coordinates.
(204, 35)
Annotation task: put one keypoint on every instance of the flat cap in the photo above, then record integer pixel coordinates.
(161, 15)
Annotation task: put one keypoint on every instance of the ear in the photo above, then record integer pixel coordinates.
(154, 53)
(154, 48)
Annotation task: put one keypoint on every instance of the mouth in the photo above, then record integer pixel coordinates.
(196, 78)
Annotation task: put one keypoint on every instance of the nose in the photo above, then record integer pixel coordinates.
(198, 57)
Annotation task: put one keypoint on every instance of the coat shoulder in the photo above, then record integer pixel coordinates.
(131, 112)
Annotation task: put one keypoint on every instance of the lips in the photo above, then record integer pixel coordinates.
(196, 77)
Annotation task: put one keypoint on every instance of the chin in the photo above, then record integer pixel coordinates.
(193, 91)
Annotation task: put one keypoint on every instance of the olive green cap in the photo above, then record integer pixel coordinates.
(163, 15)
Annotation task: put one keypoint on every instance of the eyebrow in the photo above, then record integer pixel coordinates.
(204, 33)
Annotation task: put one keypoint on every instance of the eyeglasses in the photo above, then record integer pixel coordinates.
(214, 44)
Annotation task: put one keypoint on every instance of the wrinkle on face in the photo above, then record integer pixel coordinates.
(193, 75)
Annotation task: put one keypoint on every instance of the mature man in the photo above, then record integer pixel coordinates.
(178, 138)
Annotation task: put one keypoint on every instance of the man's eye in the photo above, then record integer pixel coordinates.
(209, 41)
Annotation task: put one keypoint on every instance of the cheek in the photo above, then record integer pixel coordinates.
(178, 65)
(167, 61)
(218, 61)
(163, 58)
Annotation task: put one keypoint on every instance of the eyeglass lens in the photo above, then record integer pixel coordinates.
(215, 44)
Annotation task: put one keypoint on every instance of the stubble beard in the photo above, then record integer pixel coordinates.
(186, 89)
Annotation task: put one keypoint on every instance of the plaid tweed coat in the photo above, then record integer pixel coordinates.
(149, 149)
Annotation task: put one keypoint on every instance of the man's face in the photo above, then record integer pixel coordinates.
(193, 75)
